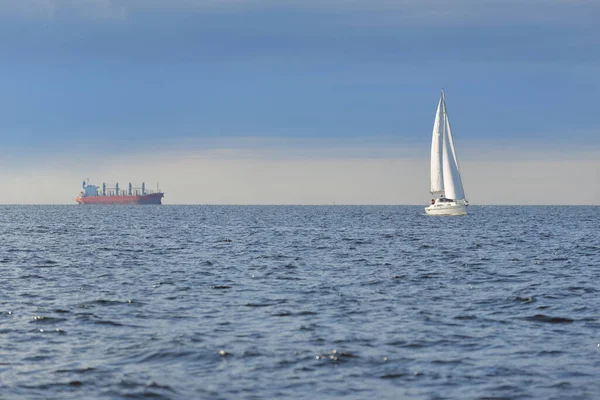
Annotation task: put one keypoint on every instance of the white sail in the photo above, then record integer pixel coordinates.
(446, 183)
(452, 181)
(436, 178)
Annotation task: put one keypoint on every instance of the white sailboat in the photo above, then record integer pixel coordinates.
(446, 183)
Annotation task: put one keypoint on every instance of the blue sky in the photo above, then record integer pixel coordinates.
(126, 71)
(123, 76)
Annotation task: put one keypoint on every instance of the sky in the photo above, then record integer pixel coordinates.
(299, 102)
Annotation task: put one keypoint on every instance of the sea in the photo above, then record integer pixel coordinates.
(299, 302)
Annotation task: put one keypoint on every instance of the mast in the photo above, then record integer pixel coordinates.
(452, 179)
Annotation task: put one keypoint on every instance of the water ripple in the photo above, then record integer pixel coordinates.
(299, 302)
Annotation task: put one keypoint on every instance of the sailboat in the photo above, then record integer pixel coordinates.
(446, 184)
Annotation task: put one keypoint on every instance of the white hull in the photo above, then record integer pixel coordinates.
(450, 208)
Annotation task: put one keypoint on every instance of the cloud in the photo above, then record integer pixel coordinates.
(64, 9)
(390, 12)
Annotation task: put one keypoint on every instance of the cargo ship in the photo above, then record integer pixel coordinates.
(92, 194)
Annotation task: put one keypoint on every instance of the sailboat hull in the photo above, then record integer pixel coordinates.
(450, 208)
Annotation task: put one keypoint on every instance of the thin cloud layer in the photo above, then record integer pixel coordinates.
(418, 12)
(64, 9)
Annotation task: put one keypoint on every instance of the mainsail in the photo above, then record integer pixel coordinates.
(437, 180)
(445, 173)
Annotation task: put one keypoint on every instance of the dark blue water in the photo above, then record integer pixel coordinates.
(227, 302)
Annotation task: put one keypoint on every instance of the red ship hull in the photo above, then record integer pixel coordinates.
(154, 198)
